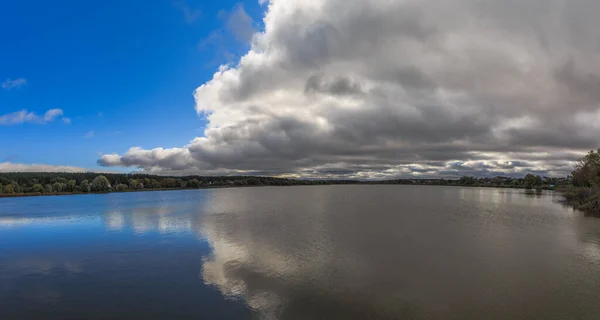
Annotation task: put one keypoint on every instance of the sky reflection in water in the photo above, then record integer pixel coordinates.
(383, 252)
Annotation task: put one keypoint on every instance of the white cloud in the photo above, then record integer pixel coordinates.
(13, 84)
(89, 134)
(25, 116)
(52, 114)
(19, 167)
(399, 88)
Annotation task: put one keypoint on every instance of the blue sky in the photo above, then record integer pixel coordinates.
(122, 72)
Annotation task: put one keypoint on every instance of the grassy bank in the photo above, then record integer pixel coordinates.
(584, 193)
(586, 199)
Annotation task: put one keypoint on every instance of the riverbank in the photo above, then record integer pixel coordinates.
(586, 199)
(40, 194)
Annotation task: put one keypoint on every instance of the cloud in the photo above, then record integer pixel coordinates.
(293, 257)
(190, 15)
(239, 23)
(230, 40)
(89, 134)
(392, 88)
(19, 167)
(25, 116)
(52, 114)
(13, 84)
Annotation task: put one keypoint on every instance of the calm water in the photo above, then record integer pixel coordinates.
(330, 252)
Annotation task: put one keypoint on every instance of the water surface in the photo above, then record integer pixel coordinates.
(330, 252)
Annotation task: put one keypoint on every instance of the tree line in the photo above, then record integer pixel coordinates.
(529, 181)
(25, 183)
(44, 183)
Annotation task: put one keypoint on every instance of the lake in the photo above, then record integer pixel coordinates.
(311, 252)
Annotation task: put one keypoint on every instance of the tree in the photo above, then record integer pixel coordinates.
(57, 187)
(61, 180)
(134, 184)
(100, 184)
(71, 185)
(170, 183)
(85, 186)
(587, 170)
(9, 189)
(194, 184)
(15, 186)
(38, 188)
(121, 187)
(155, 184)
(254, 182)
(240, 182)
(532, 181)
(467, 181)
(47, 188)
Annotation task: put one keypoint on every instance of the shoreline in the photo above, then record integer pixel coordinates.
(39, 194)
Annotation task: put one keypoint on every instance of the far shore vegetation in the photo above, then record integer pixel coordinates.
(50, 183)
(581, 189)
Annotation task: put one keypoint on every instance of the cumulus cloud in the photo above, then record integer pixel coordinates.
(19, 167)
(13, 84)
(25, 116)
(400, 88)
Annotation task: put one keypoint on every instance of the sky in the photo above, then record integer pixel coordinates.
(315, 88)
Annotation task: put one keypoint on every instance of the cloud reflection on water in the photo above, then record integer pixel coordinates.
(343, 254)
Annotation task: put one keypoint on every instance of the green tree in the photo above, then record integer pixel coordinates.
(169, 183)
(47, 188)
(57, 187)
(532, 181)
(71, 185)
(9, 189)
(121, 187)
(85, 186)
(15, 186)
(467, 181)
(587, 170)
(254, 182)
(155, 184)
(100, 184)
(133, 184)
(61, 180)
(194, 184)
(38, 188)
